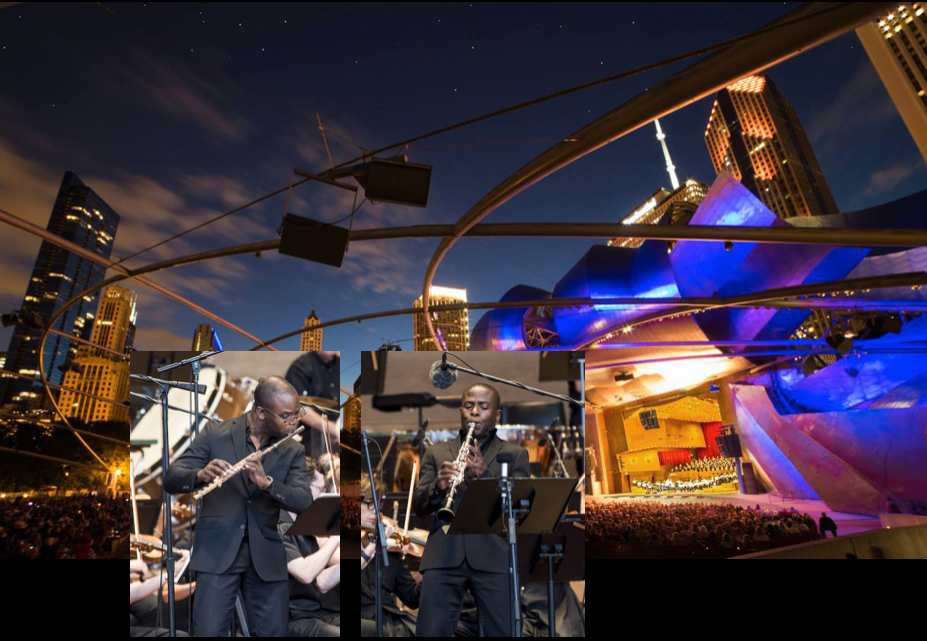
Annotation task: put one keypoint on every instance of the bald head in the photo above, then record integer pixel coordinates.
(271, 390)
(274, 401)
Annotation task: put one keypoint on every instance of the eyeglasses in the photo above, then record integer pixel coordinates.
(289, 418)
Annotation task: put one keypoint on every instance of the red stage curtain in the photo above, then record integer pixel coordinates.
(710, 430)
(674, 457)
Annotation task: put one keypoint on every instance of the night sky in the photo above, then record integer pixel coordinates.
(176, 113)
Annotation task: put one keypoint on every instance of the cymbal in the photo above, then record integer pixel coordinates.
(327, 403)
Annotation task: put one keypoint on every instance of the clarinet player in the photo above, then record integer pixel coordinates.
(452, 564)
(237, 545)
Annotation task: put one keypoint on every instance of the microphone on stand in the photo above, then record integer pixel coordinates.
(441, 375)
(547, 435)
(199, 389)
(505, 458)
(421, 434)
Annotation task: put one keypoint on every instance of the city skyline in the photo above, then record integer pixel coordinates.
(863, 147)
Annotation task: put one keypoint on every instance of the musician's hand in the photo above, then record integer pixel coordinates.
(140, 568)
(178, 563)
(475, 463)
(255, 470)
(214, 469)
(446, 474)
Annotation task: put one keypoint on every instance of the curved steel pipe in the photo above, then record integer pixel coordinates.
(697, 81)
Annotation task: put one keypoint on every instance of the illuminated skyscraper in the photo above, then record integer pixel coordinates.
(311, 340)
(664, 206)
(678, 205)
(352, 414)
(897, 47)
(754, 134)
(114, 327)
(103, 373)
(453, 327)
(81, 217)
(205, 339)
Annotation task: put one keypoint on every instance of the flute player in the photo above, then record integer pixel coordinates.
(237, 544)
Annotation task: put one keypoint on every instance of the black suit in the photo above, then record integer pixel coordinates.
(453, 563)
(237, 531)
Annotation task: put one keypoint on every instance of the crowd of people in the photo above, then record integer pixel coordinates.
(710, 464)
(63, 527)
(684, 486)
(648, 529)
(905, 507)
(350, 513)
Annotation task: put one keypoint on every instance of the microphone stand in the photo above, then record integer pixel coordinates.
(176, 409)
(381, 560)
(505, 490)
(189, 361)
(533, 390)
(166, 498)
(554, 447)
(195, 364)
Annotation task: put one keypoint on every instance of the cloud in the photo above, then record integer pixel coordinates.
(216, 187)
(27, 190)
(149, 339)
(186, 95)
(860, 102)
(390, 266)
(887, 179)
(151, 212)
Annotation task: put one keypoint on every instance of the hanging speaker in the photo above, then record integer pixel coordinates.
(313, 240)
(395, 181)
(729, 445)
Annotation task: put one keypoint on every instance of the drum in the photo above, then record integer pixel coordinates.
(179, 425)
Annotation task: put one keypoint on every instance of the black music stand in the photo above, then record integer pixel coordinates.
(321, 518)
(545, 558)
(537, 505)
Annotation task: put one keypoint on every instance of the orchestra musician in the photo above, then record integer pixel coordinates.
(237, 545)
(480, 562)
(317, 374)
(148, 584)
(330, 468)
(396, 580)
(314, 565)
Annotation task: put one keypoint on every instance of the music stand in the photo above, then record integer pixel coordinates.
(537, 505)
(545, 558)
(321, 518)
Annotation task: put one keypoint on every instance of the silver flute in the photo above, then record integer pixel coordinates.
(239, 466)
(446, 514)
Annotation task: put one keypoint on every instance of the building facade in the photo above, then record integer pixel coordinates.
(82, 217)
(100, 373)
(311, 341)
(897, 48)
(755, 135)
(452, 327)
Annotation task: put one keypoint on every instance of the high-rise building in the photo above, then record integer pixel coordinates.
(897, 47)
(754, 134)
(670, 167)
(678, 205)
(311, 340)
(99, 372)
(452, 327)
(352, 414)
(205, 339)
(663, 206)
(114, 326)
(81, 217)
(352, 409)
